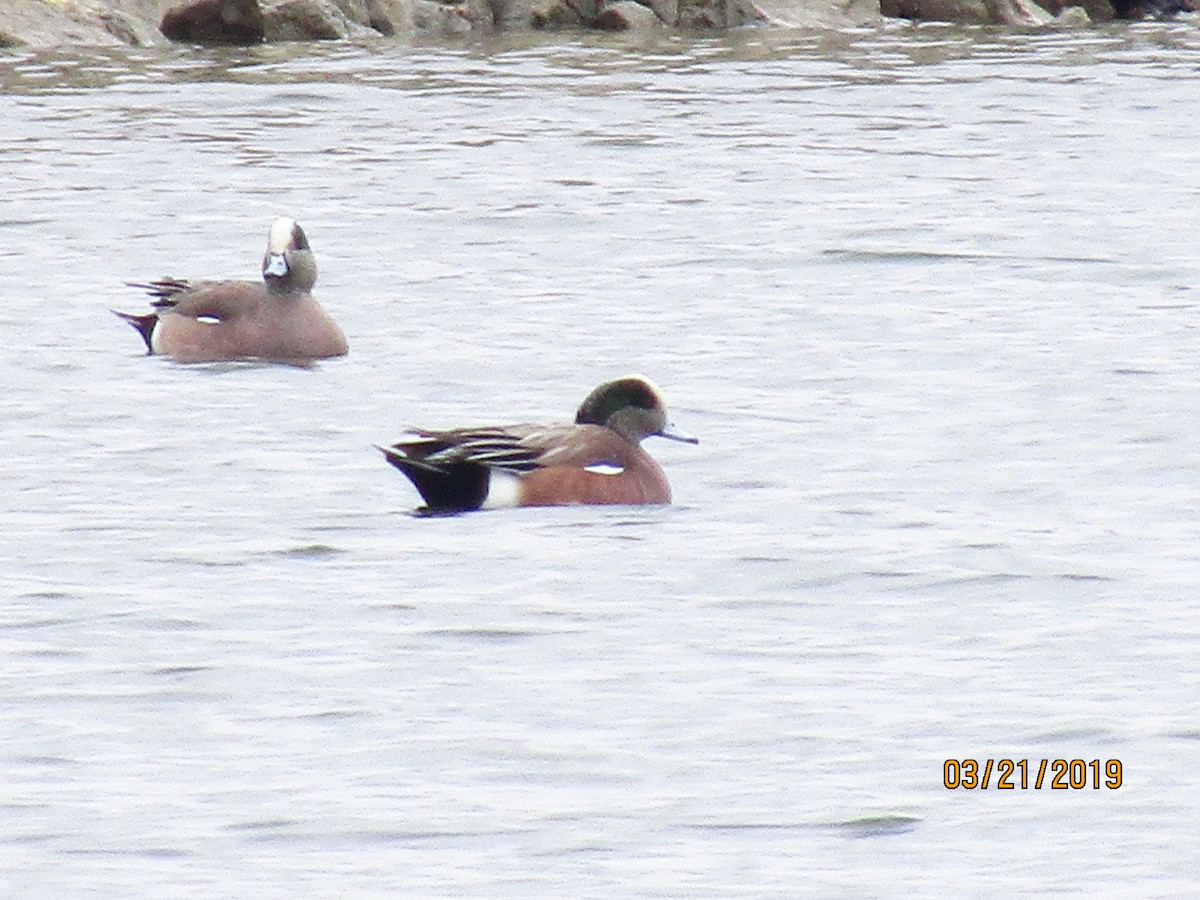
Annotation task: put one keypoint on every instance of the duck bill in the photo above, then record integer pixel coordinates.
(672, 433)
(276, 265)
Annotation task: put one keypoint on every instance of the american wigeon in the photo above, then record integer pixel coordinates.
(276, 318)
(596, 460)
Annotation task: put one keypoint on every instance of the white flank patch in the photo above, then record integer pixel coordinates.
(503, 490)
(604, 468)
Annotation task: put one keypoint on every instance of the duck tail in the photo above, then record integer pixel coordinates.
(456, 487)
(143, 323)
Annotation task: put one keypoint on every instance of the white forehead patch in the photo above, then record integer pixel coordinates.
(281, 235)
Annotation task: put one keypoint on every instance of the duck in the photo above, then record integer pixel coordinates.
(275, 319)
(597, 459)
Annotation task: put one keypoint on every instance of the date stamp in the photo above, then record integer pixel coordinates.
(1014, 774)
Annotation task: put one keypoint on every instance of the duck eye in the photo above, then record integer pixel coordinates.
(299, 239)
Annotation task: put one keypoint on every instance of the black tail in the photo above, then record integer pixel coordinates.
(144, 324)
(457, 487)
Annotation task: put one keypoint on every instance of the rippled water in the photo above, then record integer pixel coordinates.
(927, 297)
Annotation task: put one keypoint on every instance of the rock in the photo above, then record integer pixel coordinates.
(626, 15)
(1072, 17)
(214, 22)
(667, 11)
(509, 15)
(45, 23)
(553, 15)
(718, 13)
(390, 17)
(129, 29)
(1095, 10)
(353, 10)
(304, 20)
(1017, 12)
(453, 16)
(440, 18)
(1153, 9)
(481, 14)
(325, 20)
(966, 12)
(556, 14)
(42, 23)
(383, 16)
(1020, 13)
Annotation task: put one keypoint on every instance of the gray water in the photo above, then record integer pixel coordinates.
(927, 296)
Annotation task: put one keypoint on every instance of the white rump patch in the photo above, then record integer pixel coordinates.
(504, 488)
(604, 468)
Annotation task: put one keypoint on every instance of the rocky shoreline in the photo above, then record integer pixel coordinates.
(48, 23)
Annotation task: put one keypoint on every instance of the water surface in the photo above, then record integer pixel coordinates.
(927, 297)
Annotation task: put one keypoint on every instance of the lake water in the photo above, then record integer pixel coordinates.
(926, 295)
